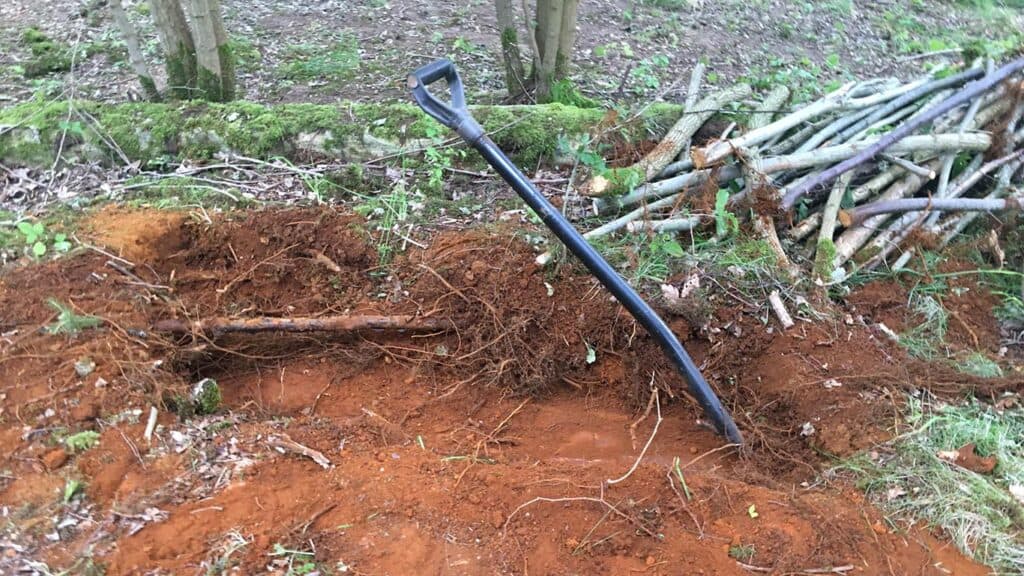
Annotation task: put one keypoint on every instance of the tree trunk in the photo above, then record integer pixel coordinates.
(566, 38)
(135, 57)
(549, 26)
(179, 50)
(224, 53)
(208, 77)
(515, 76)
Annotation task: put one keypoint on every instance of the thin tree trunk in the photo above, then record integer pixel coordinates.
(179, 49)
(208, 77)
(515, 76)
(224, 53)
(135, 57)
(566, 38)
(549, 25)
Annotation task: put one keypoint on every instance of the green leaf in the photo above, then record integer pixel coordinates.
(591, 354)
(832, 61)
(673, 248)
(38, 249)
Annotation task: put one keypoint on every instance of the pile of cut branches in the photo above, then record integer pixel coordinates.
(850, 181)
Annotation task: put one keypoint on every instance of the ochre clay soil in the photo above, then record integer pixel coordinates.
(482, 450)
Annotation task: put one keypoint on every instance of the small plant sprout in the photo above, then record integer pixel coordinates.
(34, 233)
(742, 552)
(294, 562)
(68, 322)
(82, 441)
(71, 488)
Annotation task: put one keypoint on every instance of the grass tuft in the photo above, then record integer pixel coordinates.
(910, 481)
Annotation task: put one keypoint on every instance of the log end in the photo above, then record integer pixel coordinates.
(598, 186)
(699, 158)
(846, 218)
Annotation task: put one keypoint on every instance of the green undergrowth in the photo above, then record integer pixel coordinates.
(47, 55)
(909, 478)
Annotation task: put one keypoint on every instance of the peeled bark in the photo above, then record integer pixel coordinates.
(179, 49)
(515, 75)
(135, 57)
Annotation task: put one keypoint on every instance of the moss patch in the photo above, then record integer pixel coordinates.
(155, 132)
(48, 56)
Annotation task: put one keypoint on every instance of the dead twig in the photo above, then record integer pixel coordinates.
(285, 444)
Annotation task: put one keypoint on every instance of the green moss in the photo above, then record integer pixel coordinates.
(824, 259)
(47, 56)
(181, 71)
(227, 72)
(152, 132)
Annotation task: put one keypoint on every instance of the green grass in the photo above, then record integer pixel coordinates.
(909, 480)
(927, 339)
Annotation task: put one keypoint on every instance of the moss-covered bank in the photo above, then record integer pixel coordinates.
(157, 132)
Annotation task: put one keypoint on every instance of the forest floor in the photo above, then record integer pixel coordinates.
(332, 51)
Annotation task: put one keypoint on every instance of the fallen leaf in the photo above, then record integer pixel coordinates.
(752, 511)
(965, 457)
(1017, 491)
(894, 493)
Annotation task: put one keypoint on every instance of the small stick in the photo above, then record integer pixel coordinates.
(286, 444)
(824, 260)
(762, 116)
(779, 307)
(150, 425)
(323, 324)
(692, 93)
(668, 225)
(926, 173)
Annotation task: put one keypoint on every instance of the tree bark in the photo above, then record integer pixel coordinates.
(224, 53)
(208, 71)
(135, 57)
(549, 25)
(515, 75)
(179, 49)
(566, 38)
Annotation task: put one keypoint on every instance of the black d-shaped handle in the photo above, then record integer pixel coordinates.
(452, 114)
